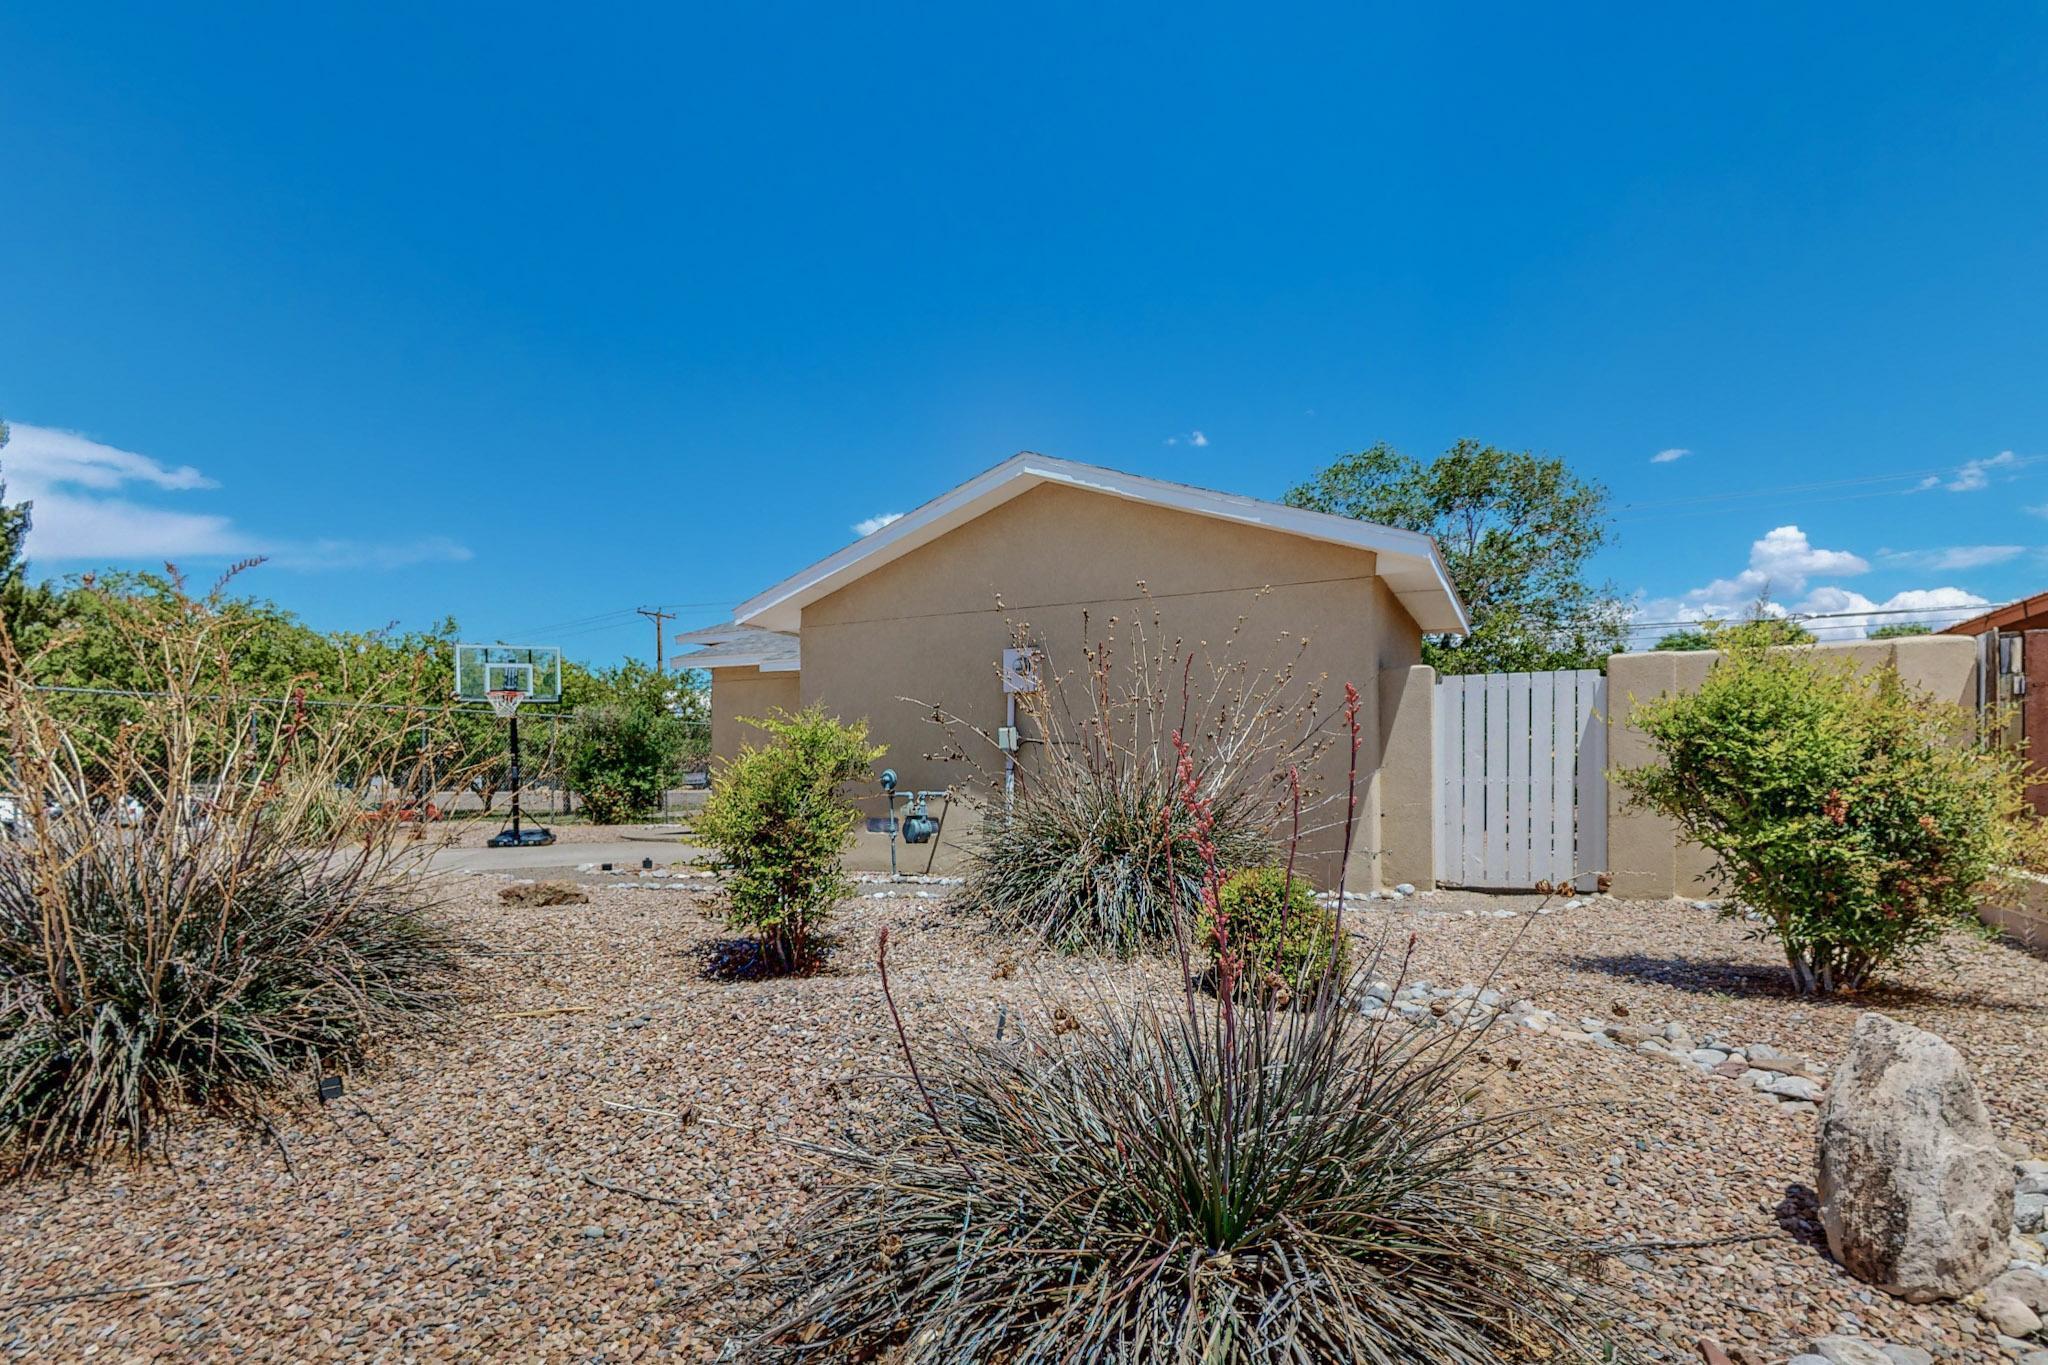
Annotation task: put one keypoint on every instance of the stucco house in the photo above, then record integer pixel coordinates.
(925, 606)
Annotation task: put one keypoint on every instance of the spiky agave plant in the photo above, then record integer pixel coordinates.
(1198, 1179)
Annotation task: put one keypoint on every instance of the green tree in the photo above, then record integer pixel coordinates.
(622, 757)
(25, 607)
(1899, 630)
(1516, 531)
(1759, 629)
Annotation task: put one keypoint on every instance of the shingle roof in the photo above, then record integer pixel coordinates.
(733, 645)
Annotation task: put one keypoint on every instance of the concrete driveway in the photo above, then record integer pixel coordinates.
(549, 858)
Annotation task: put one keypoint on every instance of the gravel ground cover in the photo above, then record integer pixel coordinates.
(570, 1172)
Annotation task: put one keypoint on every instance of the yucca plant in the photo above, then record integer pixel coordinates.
(1090, 849)
(195, 903)
(1199, 1179)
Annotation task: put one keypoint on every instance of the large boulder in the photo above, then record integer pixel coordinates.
(1915, 1194)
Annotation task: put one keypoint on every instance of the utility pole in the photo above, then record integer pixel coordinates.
(657, 616)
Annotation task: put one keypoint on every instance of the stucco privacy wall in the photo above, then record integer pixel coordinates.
(738, 694)
(1646, 857)
(932, 626)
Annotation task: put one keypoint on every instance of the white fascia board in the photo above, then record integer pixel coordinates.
(1408, 560)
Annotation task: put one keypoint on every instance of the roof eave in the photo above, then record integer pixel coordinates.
(1417, 573)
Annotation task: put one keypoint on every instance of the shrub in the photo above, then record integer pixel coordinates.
(622, 757)
(1284, 940)
(1856, 814)
(1159, 1184)
(249, 923)
(779, 828)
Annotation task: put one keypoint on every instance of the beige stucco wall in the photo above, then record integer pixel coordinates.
(932, 627)
(1645, 854)
(740, 694)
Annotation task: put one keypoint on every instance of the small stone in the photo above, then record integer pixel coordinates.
(2030, 1212)
(1573, 904)
(592, 1232)
(1707, 1057)
(1793, 1088)
(2024, 1286)
(2011, 1317)
(1405, 889)
(1907, 1355)
(1850, 1351)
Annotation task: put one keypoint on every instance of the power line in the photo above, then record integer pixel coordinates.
(1787, 490)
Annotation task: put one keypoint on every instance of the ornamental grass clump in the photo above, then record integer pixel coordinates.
(1089, 849)
(1860, 817)
(186, 921)
(1189, 1179)
(779, 828)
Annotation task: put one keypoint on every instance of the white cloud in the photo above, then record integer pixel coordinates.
(1193, 438)
(1953, 557)
(1935, 607)
(1974, 475)
(869, 525)
(1669, 456)
(1782, 566)
(68, 477)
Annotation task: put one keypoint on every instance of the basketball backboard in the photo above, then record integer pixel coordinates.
(535, 670)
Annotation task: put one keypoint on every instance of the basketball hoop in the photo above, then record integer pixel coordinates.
(505, 701)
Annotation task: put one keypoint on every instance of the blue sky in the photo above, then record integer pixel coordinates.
(534, 315)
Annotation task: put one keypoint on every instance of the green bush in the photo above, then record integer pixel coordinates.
(1283, 939)
(1855, 813)
(623, 757)
(779, 828)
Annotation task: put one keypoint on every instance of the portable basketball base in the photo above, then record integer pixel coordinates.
(507, 676)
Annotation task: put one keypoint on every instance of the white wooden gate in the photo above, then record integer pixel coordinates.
(1521, 765)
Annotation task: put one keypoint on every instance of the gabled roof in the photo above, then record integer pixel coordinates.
(1408, 560)
(736, 646)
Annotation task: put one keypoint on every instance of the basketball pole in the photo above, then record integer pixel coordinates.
(514, 723)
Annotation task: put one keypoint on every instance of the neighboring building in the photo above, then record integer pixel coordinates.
(917, 616)
(2012, 654)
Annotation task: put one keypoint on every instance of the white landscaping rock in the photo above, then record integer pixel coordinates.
(1915, 1194)
(1850, 1351)
(1793, 1088)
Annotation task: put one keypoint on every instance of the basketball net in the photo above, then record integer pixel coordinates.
(505, 701)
